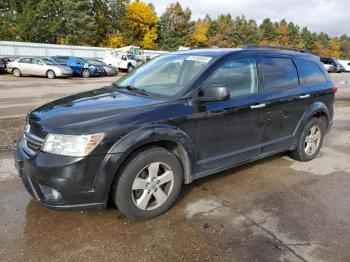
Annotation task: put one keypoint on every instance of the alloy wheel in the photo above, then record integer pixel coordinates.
(152, 186)
(312, 140)
(51, 74)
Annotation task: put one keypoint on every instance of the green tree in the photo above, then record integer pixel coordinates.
(267, 31)
(293, 35)
(8, 20)
(80, 25)
(345, 47)
(174, 27)
(245, 32)
(222, 36)
(306, 38)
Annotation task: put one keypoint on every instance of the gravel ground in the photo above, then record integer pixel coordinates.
(10, 130)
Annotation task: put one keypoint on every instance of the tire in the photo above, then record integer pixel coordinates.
(130, 68)
(85, 73)
(150, 197)
(50, 74)
(16, 72)
(308, 147)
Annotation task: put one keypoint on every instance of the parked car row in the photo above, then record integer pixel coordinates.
(58, 66)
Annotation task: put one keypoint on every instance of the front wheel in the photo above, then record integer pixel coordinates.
(86, 73)
(310, 140)
(149, 184)
(50, 74)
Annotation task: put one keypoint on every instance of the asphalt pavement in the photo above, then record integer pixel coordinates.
(276, 209)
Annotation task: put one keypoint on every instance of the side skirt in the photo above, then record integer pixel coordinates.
(220, 169)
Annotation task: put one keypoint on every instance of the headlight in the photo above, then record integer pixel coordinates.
(72, 145)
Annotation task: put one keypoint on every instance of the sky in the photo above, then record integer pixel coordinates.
(329, 16)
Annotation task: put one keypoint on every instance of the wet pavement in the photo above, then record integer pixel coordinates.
(20, 95)
(276, 209)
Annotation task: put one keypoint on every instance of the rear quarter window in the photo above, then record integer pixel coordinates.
(310, 73)
(278, 73)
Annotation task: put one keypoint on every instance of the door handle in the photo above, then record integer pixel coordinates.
(304, 96)
(258, 106)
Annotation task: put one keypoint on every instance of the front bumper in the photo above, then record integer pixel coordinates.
(80, 182)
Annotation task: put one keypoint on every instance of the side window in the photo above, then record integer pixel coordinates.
(239, 75)
(25, 60)
(278, 73)
(36, 61)
(310, 73)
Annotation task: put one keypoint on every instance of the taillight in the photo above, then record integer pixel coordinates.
(334, 89)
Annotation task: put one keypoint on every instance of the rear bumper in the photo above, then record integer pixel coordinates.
(81, 183)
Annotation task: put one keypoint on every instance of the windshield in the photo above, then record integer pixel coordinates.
(93, 62)
(167, 75)
(49, 61)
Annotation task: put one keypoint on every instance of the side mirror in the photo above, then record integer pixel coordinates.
(215, 92)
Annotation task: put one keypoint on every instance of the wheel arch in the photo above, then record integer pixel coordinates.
(316, 109)
(168, 137)
(47, 71)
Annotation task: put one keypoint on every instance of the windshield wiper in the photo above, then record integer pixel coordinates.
(132, 89)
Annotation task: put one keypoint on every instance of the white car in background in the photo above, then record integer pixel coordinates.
(346, 64)
(121, 60)
(329, 67)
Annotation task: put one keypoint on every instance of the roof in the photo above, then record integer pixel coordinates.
(216, 52)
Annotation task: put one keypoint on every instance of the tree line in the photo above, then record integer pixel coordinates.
(116, 23)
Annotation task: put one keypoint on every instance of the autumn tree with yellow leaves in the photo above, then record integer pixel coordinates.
(199, 38)
(142, 24)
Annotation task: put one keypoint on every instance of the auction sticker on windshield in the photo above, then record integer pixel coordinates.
(204, 59)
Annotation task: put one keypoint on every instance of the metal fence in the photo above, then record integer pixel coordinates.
(16, 49)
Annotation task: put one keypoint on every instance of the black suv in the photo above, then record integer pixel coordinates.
(337, 66)
(178, 117)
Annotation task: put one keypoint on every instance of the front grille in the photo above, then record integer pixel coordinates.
(36, 130)
(33, 139)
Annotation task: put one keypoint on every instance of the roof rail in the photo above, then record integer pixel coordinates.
(278, 48)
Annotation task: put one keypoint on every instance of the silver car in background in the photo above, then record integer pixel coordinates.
(38, 67)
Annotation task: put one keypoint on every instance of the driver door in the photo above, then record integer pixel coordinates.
(230, 131)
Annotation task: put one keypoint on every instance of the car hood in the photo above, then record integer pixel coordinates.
(86, 110)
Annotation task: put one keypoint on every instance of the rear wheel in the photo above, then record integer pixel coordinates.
(310, 140)
(86, 73)
(16, 72)
(149, 184)
(50, 74)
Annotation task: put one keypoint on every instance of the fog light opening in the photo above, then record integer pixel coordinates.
(55, 194)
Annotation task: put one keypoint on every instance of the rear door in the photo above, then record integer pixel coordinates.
(24, 65)
(285, 103)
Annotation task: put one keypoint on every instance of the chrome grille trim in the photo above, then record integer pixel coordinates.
(33, 139)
